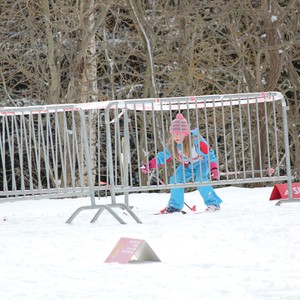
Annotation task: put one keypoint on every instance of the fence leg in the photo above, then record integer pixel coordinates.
(287, 201)
(127, 208)
(98, 213)
(100, 208)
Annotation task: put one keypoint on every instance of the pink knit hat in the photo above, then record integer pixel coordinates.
(180, 125)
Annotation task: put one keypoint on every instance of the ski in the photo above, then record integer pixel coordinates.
(183, 212)
(163, 211)
(173, 213)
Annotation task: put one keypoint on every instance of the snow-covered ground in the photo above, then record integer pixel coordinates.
(248, 250)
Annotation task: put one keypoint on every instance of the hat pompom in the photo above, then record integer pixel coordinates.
(179, 117)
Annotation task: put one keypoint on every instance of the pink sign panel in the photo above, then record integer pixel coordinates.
(127, 249)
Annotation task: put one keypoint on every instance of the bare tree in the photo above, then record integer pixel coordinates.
(80, 51)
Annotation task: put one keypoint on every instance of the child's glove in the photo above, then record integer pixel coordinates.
(146, 168)
(214, 170)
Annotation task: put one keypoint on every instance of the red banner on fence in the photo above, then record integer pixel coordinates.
(280, 191)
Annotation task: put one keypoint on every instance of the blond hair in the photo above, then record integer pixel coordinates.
(186, 147)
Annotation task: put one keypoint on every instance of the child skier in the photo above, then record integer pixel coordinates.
(197, 160)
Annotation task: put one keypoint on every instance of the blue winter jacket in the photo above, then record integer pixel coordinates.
(201, 149)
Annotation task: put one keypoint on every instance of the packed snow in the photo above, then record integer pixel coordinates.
(250, 249)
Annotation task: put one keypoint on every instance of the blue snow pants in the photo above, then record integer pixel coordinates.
(184, 174)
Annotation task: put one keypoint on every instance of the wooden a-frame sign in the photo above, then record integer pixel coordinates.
(129, 250)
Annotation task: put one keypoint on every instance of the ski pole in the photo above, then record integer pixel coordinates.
(191, 208)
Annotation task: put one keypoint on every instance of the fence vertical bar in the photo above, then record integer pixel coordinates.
(287, 152)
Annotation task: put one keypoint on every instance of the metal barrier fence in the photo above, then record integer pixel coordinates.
(53, 152)
(248, 132)
(97, 149)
